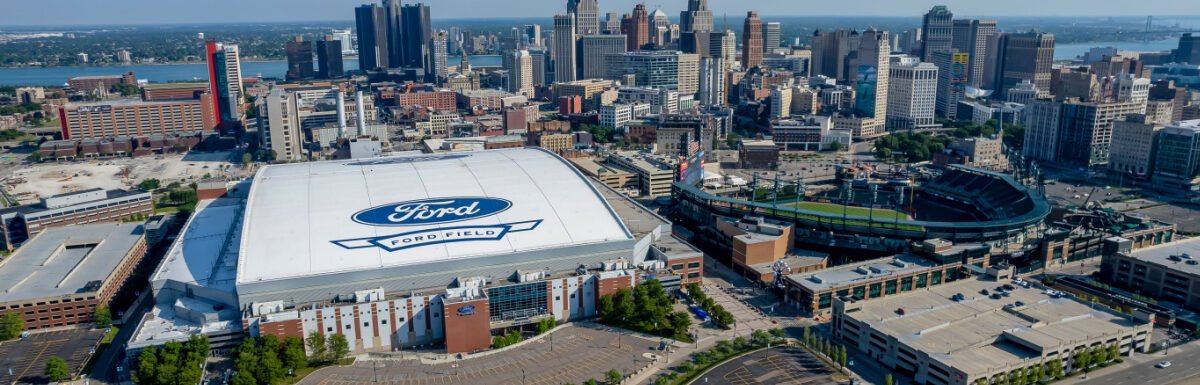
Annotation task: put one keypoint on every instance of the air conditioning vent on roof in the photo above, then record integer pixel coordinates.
(816, 279)
(862, 270)
(877, 270)
(899, 263)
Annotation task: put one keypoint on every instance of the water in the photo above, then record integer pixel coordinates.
(1071, 51)
(57, 76)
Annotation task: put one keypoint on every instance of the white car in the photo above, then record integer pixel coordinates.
(1164, 364)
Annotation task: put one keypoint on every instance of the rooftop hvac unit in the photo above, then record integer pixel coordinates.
(862, 270)
(899, 263)
(816, 279)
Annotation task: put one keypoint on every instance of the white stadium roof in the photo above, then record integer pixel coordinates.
(320, 218)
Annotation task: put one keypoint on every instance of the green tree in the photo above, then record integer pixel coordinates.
(883, 154)
(680, 322)
(149, 184)
(1049, 279)
(338, 346)
(887, 379)
(778, 333)
(1056, 368)
(270, 366)
(591, 381)
(246, 158)
(1114, 351)
(842, 358)
(102, 317)
(740, 343)
(56, 369)
(732, 139)
(35, 157)
(760, 336)
(147, 366)
(1083, 359)
(724, 347)
(293, 353)
(613, 377)
(11, 325)
(836, 146)
(316, 345)
(685, 367)
(807, 336)
(662, 380)
(605, 309)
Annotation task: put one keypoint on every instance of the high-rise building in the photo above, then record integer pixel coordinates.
(723, 45)
(594, 54)
(1133, 142)
(415, 36)
(534, 33)
(781, 102)
(564, 48)
(752, 41)
(395, 34)
(1024, 93)
(670, 70)
(438, 54)
(951, 82)
(872, 67)
(770, 36)
(344, 36)
(587, 16)
(1189, 49)
(329, 58)
(660, 28)
(697, 17)
(520, 73)
(636, 27)
(971, 37)
(299, 59)
(1024, 56)
(225, 80)
(831, 53)
(1085, 130)
(910, 42)
(712, 81)
(1042, 120)
(912, 95)
(612, 23)
(1177, 159)
(370, 21)
(937, 32)
(539, 58)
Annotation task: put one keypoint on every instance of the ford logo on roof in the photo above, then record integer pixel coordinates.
(431, 211)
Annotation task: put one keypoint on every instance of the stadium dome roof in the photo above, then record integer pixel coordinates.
(319, 218)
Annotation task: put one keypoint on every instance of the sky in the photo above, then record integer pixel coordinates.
(92, 12)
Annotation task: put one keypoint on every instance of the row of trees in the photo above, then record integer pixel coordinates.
(266, 360)
(514, 336)
(647, 308)
(718, 313)
(835, 353)
(600, 133)
(920, 147)
(323, 349)
(174, 363)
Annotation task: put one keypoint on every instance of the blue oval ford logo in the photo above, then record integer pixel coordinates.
(431, 211)
(466, 309)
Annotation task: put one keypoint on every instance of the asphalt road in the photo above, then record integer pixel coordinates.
(1183, 370)
(106, 366)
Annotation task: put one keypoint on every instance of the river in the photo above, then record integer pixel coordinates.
(1071, 51)
(163, 73)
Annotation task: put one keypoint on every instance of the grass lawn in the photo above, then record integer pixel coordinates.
(300, 374)
(104, 342)
(859, 211)
(168, 209)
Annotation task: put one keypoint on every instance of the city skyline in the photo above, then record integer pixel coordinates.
(115, 12)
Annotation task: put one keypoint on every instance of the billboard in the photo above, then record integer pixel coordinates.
(864, 96)
(958, 71)
(691, 169)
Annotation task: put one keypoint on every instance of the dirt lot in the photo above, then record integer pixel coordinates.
(29, 184)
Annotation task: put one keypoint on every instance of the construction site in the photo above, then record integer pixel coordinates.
(30, 183)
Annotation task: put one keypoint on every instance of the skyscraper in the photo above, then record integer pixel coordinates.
(669, 70)
(951, 80)
(937, 31)
(872, 67)
(438, 52)
(612, 23)
(225, 80)
(594, 54)
(343, 35)
(371, 22)
(697, 17)
(752, 41)
(912, 95)
(395, 35)
(1189, 49)
(564, 48)
(587, 16)
(520, 73)
(636, 28)
(712, 81)
(831, 53)
(971, 36)
(539, 58)
(329, 58)
(299, 59)
(660, 24)
(534, 33)
(416, 33)
(770, 35)
(1024, 56)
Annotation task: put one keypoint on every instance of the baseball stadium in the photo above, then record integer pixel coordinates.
(962, 204)
(396, 252)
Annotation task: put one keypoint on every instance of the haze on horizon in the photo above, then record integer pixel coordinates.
(117, 12)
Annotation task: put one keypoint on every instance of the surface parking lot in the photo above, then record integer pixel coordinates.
(27, 357)
(772, 366)
(579, 353)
